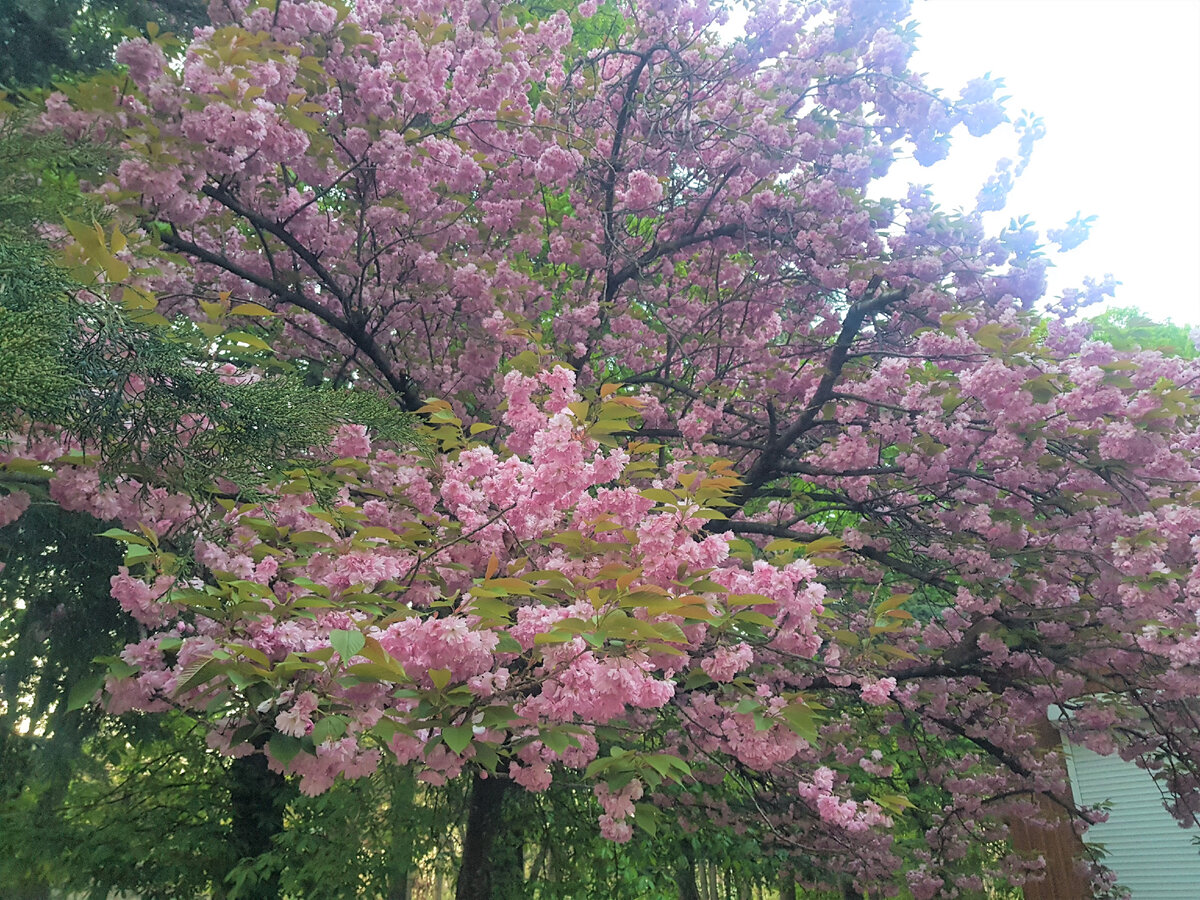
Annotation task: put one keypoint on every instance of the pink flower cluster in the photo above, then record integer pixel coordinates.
(142, 601)
(841, 813)
(451, 643)
(618, 809)
(726, 662)
(12, 505)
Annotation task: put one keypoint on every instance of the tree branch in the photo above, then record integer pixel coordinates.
(400, 382)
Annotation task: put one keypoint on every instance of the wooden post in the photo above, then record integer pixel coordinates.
(1058, 844)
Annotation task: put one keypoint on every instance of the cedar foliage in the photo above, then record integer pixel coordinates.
(90, 368)
(72, 362)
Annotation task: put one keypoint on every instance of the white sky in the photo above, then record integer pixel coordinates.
(1118, 85)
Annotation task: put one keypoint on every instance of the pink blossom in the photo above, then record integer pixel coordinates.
(144, 60)
(297, 720)
(11, 506)
(726, 662)
(877, 693)
(642, 191)
(143, 601)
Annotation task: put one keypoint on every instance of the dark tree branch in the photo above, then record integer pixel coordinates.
(767, 466)
(400, 382)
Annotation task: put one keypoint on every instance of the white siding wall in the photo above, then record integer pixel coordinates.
(1152, 856)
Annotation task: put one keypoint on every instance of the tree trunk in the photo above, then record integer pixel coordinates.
(258, 798)
(787, 886)
(400, 849)
(685, 873)
(478, 876)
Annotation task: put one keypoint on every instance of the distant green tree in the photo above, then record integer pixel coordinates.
(1128, 328)
(56, 616)
(41, 40)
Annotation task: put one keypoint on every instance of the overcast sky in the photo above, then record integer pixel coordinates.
(1118, 85)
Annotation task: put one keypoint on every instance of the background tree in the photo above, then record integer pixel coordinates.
(1129, 329)
(45, 39)
(85, 377)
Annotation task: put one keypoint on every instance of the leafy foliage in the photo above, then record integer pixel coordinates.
(1127, 328)
(40, 178)
(44, 39)
(149, 400)
(146, 404)
(120, 386)
(56, 617)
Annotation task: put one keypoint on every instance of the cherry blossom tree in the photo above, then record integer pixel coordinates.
(747, 499)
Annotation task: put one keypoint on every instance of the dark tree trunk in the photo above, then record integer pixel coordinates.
(685, 873)
(478, 875)
(401, 823)
(508, 851)
(258, 797)
(787, 886)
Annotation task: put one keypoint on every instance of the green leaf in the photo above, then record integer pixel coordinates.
(988, 337)
(893, 602)
(511, 585)
(755, 618)
(610, 426)
(669, 766)
(309, 537)
(284, 747)
(669, 631)
(120, 534)
(347, 643)
(376, 672)
(555, 740)
(507, 643)
(198, 672)
(894, 803)
(117, 667)
(440, 678)
(84, 690)
(379, 532)
(826, 544)
(136, 553)
(645, 817)
(596, 766)
(329, 729)
(487, 757)
(250, 309)
(249, 340)
(801, 718)
(385, 729)
(659, 495)
(458, 737)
